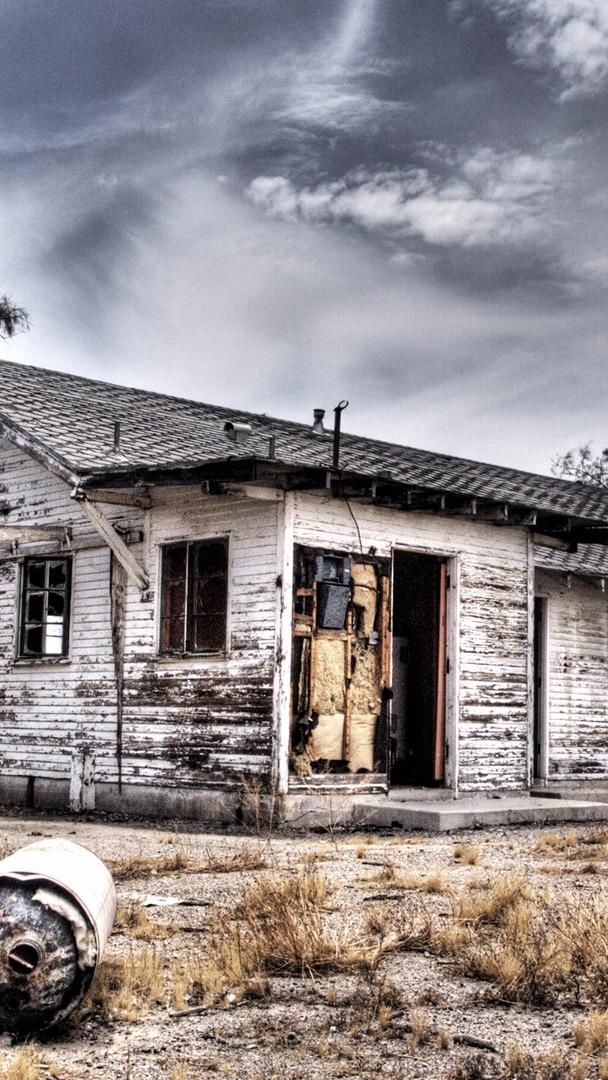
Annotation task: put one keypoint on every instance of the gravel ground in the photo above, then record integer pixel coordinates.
(306, 1027)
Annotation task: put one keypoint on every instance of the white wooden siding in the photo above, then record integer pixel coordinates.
(577, 691)
(185, 721)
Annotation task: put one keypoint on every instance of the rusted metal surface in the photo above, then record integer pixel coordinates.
(57, 908)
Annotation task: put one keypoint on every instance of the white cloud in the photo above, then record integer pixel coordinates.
(326, 85)
(490, 198)
(568, 36)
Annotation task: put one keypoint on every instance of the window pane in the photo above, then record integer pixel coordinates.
(173, 599)
(33, 640)
(55, 603)
(210, 558)
(210, 633)
(34, 608)
(172, 635)
(53, 636)
(208, 596)
(211, 595)
(35, 574)
(174, 563)
(57, 573)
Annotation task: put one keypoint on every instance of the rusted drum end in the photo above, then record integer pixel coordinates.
(57, 907)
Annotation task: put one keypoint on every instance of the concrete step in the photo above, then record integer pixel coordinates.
(368, 812)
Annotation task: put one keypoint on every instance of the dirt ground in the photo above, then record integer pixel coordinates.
(404, 1016)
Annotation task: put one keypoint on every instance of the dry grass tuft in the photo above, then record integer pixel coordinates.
(591, 1034)
(141, 866)
(390, 876)
(124, 988)
(374, 1006)
(551, 843)
(489, 903)
(421, 1028)
(6, 849)
(27, 1065)
(246, 858)
(519, 1064)
(180, 1071)
(467, 854)
(134, 921)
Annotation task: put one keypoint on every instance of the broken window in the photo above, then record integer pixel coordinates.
(194, 593)
(45, 607)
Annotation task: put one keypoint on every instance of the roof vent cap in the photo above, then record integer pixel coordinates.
(236, 431)
(317, 424)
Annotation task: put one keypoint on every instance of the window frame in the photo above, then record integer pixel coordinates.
(190, 545)
(21, 655)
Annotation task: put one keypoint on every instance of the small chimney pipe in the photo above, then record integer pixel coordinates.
(116, 436)
(339, 409)
(317, 424)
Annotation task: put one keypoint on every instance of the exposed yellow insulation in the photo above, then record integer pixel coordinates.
(329, 674)
(301, 763)
(365, 693)
(327, 737)
(365, 595)
(362, 742)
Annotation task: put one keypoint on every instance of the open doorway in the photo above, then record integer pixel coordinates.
(539, 753)
(419, 669)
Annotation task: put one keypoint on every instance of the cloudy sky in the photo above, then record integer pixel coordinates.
(277, 204)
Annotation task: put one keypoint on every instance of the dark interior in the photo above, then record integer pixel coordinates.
(416, 630)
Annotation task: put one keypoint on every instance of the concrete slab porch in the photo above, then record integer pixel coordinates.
(440, 815)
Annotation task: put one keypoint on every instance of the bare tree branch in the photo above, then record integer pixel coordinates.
(12, 318)
(580, 464)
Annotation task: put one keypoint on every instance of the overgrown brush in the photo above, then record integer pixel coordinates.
(27, 1065)
(278, 928)
(183, 860)
(125, 987)
(246, 858)
(520, 1064)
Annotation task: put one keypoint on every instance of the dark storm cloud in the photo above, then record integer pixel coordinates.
(398, 202)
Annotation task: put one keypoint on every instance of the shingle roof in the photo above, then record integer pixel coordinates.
(74, 418)
(591, 560)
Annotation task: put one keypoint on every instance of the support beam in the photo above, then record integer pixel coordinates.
(26, 534)
(417, 500)
(498, 512)
(106, 530)
(252, 491)
(118, 498)
(556, 542)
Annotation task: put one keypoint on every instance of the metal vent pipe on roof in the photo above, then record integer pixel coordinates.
(237, 431)
(317, 425)
(57, 909)
(339, 409)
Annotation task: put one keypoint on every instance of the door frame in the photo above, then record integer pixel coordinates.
(452, 637)
(542, 700)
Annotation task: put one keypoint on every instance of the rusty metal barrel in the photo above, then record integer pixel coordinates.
(57, 909)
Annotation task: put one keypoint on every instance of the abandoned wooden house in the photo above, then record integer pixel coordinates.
(192, 596)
